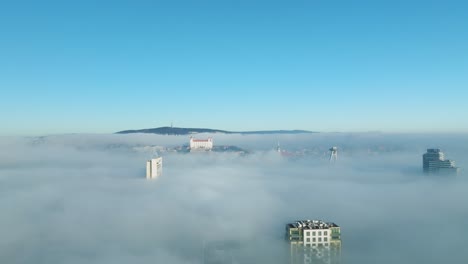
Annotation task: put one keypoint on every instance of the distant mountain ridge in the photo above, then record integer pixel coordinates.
(189, 131)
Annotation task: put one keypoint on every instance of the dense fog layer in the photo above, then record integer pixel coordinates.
(85, 199)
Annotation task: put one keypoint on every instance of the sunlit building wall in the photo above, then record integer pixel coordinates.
(154, 168)
(314, 241)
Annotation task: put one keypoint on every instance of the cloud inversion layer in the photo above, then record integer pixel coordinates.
(84, 199)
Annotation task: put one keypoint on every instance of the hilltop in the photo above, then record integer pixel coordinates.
(189, 131)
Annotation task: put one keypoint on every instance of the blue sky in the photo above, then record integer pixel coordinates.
(104, 66)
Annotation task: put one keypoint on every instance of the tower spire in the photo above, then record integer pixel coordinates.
(333, 154)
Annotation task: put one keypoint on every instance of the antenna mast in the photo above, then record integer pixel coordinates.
(333, 154)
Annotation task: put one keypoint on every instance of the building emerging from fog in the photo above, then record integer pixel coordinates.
(314, 241)
(154, 168)
(201, 144)
(333, 154)
(434, 162)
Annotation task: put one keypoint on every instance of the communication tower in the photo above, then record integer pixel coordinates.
(333, 154)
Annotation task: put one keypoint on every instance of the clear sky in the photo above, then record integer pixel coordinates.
(103, 66)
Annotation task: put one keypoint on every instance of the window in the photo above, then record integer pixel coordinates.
(319, 239)
(320, 233)
(313, 239)
(308, 239)
(324, 233)
(325, 239)
(307, 233)
(313, 233)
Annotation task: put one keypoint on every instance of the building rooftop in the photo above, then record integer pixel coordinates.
(433, 150)
(201, 140)
(312, 224)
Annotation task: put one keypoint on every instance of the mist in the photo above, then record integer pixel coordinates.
(84, 198)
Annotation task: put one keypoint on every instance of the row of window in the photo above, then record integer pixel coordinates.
(325, 239)
(307, 233)
(317, 245)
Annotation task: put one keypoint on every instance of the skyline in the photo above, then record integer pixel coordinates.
(104, 67)
(85, 199)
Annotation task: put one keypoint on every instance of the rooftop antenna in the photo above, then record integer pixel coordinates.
(171, 124)
(333, 154)
(278, 149)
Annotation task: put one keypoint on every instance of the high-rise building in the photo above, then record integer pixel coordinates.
(434, 162)
(201, 144)
(314, 241)
(154, 168)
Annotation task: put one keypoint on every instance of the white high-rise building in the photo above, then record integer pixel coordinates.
(154, 168)
(201, 144)
(314, 241)
(313, 232)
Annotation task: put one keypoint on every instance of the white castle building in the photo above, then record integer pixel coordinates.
(154, 168)
(201, 144)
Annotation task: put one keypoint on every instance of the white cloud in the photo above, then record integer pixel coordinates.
(84, 199)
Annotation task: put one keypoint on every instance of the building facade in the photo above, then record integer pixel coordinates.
(154, 168)
(314, 241)
(201, 144)
(434, 162)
